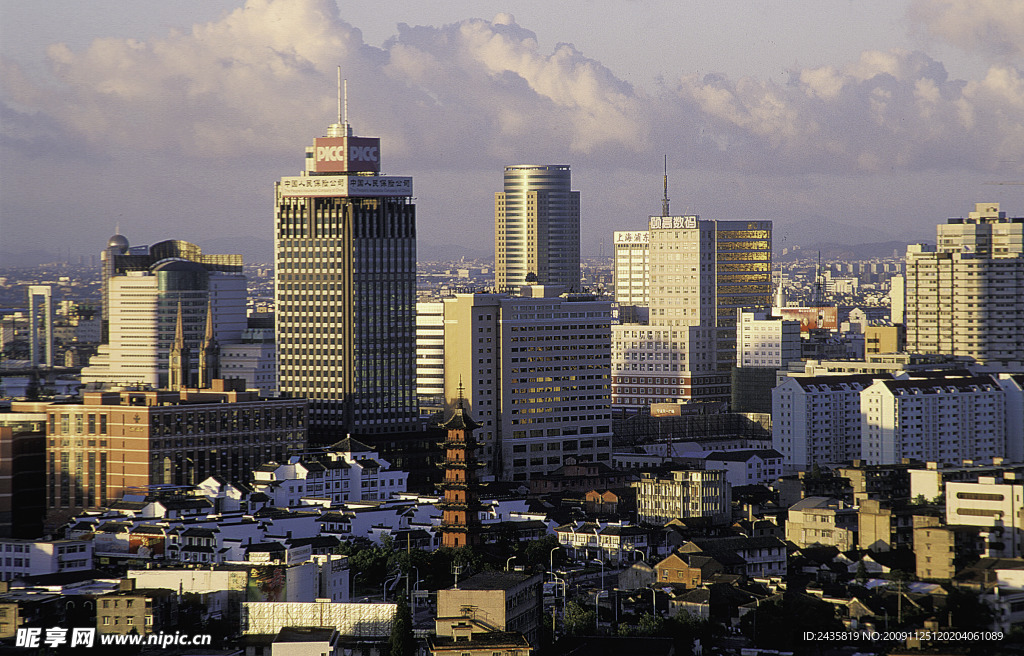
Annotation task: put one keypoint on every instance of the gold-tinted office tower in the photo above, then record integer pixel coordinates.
(537, 228)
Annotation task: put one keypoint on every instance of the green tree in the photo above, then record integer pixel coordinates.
(538, 552)
(402, 641)
(578, 621)
(651, 625)
(862, 572)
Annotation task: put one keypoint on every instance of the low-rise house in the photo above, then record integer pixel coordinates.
(746, 467)
(347, 471)
(492, 601)
(682, 494)
(579, 477)
(142, 611)
(462, 640)
(687, 570)
(638, 575)
(938, 549)
(604, 541)
(824, 521)
(757, 557)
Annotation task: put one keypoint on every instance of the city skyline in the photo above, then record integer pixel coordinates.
(874, 111)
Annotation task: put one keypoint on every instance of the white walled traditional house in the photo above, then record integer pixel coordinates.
(747, 467)
(604, 541)
(346, 471)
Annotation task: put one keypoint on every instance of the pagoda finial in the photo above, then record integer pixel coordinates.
(462, 397)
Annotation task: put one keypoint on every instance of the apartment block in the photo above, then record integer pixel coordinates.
(533, 371)
(115, 441)
(945, 419)
(965, 295)
(682, 494)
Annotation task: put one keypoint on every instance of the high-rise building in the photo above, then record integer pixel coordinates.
(345, 253)
(40, 327)
(537, 228)
(631, 274)
(699, 274)
(533, 370)
(965, 296)
(144, 287)
(430, 357)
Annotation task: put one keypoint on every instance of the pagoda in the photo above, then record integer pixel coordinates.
(460, 518)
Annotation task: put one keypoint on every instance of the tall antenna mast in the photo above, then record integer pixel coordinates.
(664, 199)
(339, 98)
(348, 129)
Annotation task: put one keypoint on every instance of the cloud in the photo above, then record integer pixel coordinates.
(224, 107)
(994, 27)
(477, 92)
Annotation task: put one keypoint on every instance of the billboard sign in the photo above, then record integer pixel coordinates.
(666, 410)
(146, 546)
(631, 237)
(267, 583)
(313, 186)
(346, 155)
(812, 317)
(663, 222)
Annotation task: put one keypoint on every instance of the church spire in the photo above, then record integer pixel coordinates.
(209, 352)
(179, 360)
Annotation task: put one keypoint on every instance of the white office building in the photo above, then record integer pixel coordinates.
(766, 341)
(430, 356)
(995, 503)
(143, 309)
(631, 274)
(699, 274)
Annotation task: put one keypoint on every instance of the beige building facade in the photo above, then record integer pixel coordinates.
(965, 296)
(533, 371)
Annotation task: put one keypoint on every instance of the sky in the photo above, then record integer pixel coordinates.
(856, 121)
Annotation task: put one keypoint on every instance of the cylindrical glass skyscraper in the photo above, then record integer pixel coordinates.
(537, 228)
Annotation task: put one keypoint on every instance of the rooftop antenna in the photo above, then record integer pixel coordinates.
(664, 199)
(341, 128)
(339, 99)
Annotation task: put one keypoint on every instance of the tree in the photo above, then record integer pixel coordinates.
(578, 620)
(650, 625)
(862, 572)
(402, 641)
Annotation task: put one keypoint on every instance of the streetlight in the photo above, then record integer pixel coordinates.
(565, 589)
(565, 593)
(601, 562)
(508, 562)
(551, 560)
(384, 588)
(352, 597)
(597, 610)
